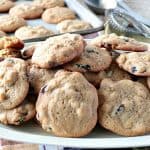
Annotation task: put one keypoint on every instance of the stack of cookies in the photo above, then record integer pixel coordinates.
(78, 83)
(50, 11)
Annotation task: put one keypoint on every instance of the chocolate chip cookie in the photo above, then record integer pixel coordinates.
(93, 59)
(67, 105)
(5, 5)
(11, 23)
(26, 11)
(58, 50)
(114, 42)
(73, 25)
(29, 32)
(13, 82)
(49, 3)
(124, 107)
(57, 14)
(137, 63)
(38, 77)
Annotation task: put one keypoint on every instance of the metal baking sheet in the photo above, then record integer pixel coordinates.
(82, 12)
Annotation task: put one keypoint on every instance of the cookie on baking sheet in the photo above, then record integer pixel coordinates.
(67, 105)
(58, 50)
(92, 59)
(124, 107)
(17, 116)
(137, 63)
(11, 42)
(5, 5)
(2, 34)
(26, 11)
(57, 14)
(11, 23)
(114, 42)
(10, 52)
(38, 77)
(13, 82)
(148, 82)
(49, 3)
(72, 26)
(29, 32)
(113, 72)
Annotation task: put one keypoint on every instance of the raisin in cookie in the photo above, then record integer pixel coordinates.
(11, 23)
(49, 3)
(124, 107)
(72, 26)
(114, 42)
(29, 32)
(38, 77)
(18, 115)
(58, 50)
(57, 14)
(137, 63)
(92, 59)
(26, 11)
(113, 72)
(13, 82)
(5, 5)
(11, 42)
(67, 105)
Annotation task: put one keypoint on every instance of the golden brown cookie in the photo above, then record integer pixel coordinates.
(11, 23)
(58, 50)
(124, 107)
(29, 32)
(67, 105)
(13, 82)
(114, 42)
(93, 59)
(73, 25)
(49, 3)
(26, 11)
(137, 63)
(5, 5)
(57, 14)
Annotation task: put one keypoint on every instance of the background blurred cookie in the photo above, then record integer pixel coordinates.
(5, 5)
(11, 23)
(49, 3)
(29, 32)
(72, 26)
(57, 14)
(26, 11)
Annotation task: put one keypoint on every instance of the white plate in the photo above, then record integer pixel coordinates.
(99, 138)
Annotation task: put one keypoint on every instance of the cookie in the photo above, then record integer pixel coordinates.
(2, 34)
(124, 107)
(49, 3)
(13, 82)
(93, 59)
(57, 14)
(148, 82)
(29, 32)
(26, 11)
(11, 42)
(18, 115)
(137, 63)
(5, 5)
(113, 72)
(11, 23)
(9, 52)
(38, 77)
(58, 50)
(67, 105)
(114, 42)
(72, 26)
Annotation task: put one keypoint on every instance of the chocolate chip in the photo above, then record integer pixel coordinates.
(86, 67)
(133, 69)
(92, 51)
(120, 109)
(43, 89)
